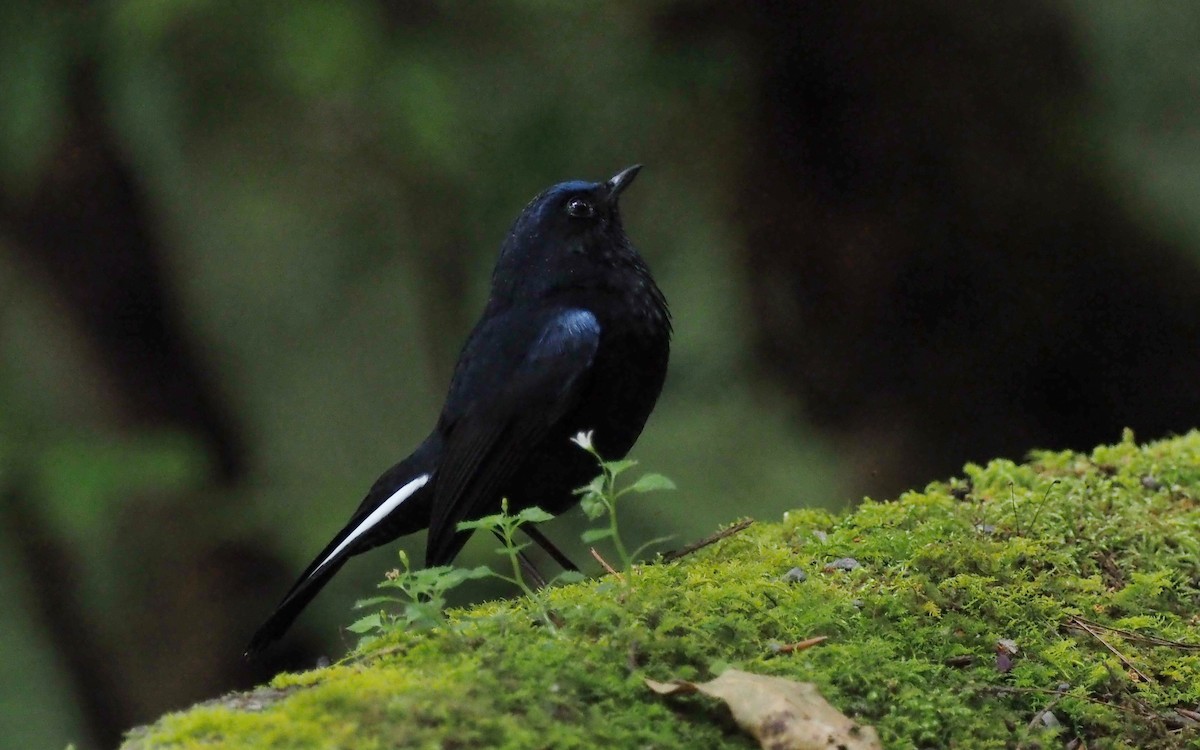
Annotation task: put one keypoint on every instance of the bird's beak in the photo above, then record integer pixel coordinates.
(622, 180)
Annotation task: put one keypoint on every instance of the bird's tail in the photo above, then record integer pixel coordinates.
(397, 505)
(292, 605)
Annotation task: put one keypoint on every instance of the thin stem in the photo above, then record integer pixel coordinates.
(610, 502)
(514, 558)
(623, 553)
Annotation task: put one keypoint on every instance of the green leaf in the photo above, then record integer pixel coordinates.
(375, 601)
(512, 550)
(593, 507)
(434, 572)
(448, 580)
(651, 483)
(487, 522)
(456, 576)
(594, 487)
(366, 624)
(534, 515)
(481, 571)
(595, 535)
(616, 467)
(424, 614)
(569, 576)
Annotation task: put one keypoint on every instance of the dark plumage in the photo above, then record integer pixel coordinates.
(575, 336)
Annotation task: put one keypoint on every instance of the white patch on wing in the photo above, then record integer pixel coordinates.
(386, 507)
(579, 321)
(570, 330)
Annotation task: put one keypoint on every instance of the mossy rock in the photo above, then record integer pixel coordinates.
(920, 632)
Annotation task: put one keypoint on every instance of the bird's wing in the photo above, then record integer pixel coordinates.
(492, 436)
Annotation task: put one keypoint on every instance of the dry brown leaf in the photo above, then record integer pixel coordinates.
(782, 714)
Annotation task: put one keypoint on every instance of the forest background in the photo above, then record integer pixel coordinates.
(240, 245)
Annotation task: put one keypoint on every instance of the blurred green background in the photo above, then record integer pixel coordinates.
(240, 245)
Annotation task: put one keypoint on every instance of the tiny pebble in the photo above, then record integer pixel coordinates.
(986, 528)
(1007, 645)
(1049, 720)
(857, 603)
(1004, 663)
(820, 535)
(1151, 483)
(795, 575)
(842, 563)
(1062, 687)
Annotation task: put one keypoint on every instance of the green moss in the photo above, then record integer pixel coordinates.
(1006, 552)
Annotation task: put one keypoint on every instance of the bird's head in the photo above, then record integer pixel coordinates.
(570, 234)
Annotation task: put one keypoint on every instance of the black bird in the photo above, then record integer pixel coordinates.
(575, 337)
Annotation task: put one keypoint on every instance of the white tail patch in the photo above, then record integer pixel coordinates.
(377, 515)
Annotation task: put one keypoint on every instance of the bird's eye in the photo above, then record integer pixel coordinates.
(580, 209)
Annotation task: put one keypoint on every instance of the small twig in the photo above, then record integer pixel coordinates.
(1046, 691)
(1135, 636)
(706, 541)
(1043, 503)
(1083, 625)
(1012, 499)
(604, 564)
(807, 643)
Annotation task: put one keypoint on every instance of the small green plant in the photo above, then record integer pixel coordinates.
(506, 526)
(420, 601)
(417, 598)
(599, 499)
(421, 598)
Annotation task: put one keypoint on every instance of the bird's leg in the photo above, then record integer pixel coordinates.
(535, 577)
(527, 566)
(546, 544)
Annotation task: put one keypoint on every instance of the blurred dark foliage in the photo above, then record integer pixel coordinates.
(943, 269)
(87, 230)
(931, 255)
